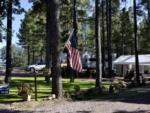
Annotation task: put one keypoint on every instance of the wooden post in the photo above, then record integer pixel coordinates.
(72, 72)
(35, 85)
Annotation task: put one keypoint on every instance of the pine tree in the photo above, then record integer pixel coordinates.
(53, 34)
(8, 44)
(98, 45)
(136, 43)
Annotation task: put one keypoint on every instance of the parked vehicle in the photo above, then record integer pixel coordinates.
(88, 60)
(36, 67)
(2, 68)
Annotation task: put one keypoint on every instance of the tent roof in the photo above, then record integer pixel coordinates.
(130, 59)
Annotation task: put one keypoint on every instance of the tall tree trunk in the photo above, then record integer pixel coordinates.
(98, 45)
(54, 35)
(123, 39)
(108, 26)
(0, 31)
(103, 40)
(123, 32)
(132, 49)
(109, 39)
(136, 44)
(148, 7)
(33, 56)
(48, 48)
(48, 45)
(28, 49)
(8, 44)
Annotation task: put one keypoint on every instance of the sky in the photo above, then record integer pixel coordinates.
(16, 22)
(127, 4)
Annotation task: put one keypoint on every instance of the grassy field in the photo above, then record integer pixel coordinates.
(44, 89)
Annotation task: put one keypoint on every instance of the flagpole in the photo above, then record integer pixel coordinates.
(74, 18)
(72, 72)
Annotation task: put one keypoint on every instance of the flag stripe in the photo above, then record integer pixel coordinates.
(74, 55)
(76, 59)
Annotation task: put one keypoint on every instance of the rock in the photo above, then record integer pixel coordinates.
(50, 98)
(53, 96)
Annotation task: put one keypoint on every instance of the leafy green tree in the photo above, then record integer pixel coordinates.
(9, 9)
(123, 37)
(2, 12)
(18, 56)
(2, 7)
(144, 26)
(144, 37)
(146, 4)
(111, 9)
(66, 14)
(32, 37)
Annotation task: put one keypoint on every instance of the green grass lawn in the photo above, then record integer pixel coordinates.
(44, 89)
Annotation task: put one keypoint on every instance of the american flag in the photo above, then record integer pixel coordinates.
(74, 55)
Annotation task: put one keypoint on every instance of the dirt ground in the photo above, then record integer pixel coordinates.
(135, 100)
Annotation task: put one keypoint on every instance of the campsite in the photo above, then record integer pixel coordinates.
(74, 56)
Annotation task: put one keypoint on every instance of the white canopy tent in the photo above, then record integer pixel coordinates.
(130, 59)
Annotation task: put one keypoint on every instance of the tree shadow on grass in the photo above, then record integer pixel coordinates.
(70, 86)
(9, 111)
(10, 98)
(18, 111)
(139, 95)
(10, 102)
(83, 112)
(137, 111)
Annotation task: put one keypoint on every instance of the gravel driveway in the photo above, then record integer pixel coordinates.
(132, 101)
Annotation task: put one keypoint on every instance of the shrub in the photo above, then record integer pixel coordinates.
(77, 88)
(25, 89)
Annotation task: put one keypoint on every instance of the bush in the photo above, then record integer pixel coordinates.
(77, 88)
(117, 85)
(24, 90)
